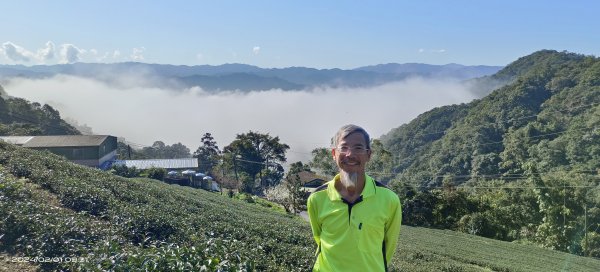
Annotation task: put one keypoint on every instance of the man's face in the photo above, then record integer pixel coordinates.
(351, 154)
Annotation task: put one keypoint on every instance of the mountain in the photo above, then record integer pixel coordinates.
(238, 81)
(550, 102)
(243, 77)
(452, 70)
(520, 164)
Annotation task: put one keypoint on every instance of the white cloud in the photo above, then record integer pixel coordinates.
(47, 53)
(17, 53)
(65, 53)
(192, 112)
(70, 53)
(256, 50)
(199, 56)
(439, 51)
(103, 57)
(137, 54)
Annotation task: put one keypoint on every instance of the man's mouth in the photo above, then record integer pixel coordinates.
(351, 163)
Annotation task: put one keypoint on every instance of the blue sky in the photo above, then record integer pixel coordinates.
(319, 34)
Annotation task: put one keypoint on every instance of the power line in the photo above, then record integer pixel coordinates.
(494, 176)
(498, 142)
(462, 186)
(505, 121)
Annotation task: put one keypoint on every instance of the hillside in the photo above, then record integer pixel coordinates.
(520, 164)
(552, 102)
(53, 208)
(21, 117)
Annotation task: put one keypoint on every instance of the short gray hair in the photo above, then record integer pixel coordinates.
(346, 130)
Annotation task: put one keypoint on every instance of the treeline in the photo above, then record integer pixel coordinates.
(158, 150)
(251, 163)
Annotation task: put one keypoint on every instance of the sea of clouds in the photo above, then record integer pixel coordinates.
(302, 119)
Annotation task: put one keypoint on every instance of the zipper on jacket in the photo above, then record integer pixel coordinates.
(350, 205)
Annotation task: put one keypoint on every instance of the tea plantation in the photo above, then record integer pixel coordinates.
(95, 221)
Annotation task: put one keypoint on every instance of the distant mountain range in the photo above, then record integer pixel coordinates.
(244, 77)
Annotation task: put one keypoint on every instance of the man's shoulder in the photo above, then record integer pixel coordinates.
(320, 191)
(379, 184)
(321, 188)
(385, 190)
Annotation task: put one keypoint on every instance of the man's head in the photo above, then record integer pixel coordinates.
(351, 152)
(346, 130)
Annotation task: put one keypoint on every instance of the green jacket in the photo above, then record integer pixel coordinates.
(354, 237)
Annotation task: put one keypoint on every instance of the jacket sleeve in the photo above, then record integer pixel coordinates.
(392, 229)
(313, 216)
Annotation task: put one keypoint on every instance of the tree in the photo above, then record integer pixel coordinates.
(154, 173)
(323, 162)
(159, 150)
(155, 151)
(289, 193)
(254, 152)
(381, 165)
(559, 201)
(294, 185)
(176, 151)
(207, 154)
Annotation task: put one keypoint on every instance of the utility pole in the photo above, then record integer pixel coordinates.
(564, 211)
(585, 250)
(235, 168)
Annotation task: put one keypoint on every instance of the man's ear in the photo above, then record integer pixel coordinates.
(333, 153)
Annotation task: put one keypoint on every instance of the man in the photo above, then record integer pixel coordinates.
(354, 219)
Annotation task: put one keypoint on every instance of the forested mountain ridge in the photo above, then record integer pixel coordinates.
(20, 117)
(242, 77)
(521, 164)
(549, 115)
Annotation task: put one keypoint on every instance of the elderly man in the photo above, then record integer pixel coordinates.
(355, 220)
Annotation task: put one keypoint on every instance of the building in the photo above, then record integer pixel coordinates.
(90, 150)
(168, 164)
(311, 181)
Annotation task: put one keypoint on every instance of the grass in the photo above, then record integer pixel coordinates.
(423, 249)
(52, 208)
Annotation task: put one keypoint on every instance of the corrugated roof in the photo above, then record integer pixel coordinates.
(16, 140)
(66, 140)
(160, 163)
(306, 176)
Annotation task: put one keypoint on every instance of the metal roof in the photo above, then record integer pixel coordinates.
(16, 140)
(306, 177)
(160, 163)
(66, 141)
